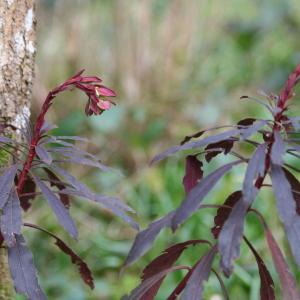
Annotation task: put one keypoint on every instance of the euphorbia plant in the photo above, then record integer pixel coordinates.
(267, 167)
(36, 170)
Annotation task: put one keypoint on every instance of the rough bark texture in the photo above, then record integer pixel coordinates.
(17, 50)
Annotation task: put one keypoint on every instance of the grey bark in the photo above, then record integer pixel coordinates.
(17, 51)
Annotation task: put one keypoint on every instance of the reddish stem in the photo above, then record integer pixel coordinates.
(34, 141)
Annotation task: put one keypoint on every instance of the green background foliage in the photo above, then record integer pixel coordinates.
(177, 66)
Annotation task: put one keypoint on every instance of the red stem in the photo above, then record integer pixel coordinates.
(34, 141)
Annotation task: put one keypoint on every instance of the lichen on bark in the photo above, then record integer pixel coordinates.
(17, 51)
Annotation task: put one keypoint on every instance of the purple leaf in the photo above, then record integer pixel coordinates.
(288, 283)
(144, 239)
(224, 212)
(287, 209)
(43, 154)
(194, 287)
(77, 159)
(230, 236)
(84, 270)
(28, 193)
(217, 148)
(23, 271)
(193, 172)
(295, 184)
(58, 208)
(55, 181)
(197, 194)
(256, 126)
(197, 144)
(165, 261)
(232, 231)
(245, 122)
(266, 281)
(11, 218)
(6, 182)
(111, 203)
(193, 136)
(256, 167)
(278, 148)
(140, 292)
(84, 191)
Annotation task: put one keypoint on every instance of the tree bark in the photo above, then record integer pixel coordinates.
(17, 51)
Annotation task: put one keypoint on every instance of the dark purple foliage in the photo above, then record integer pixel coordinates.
(145, 238)
(274, 141)
(193, 172)
(224, 212)
(163, 262)
(61, 213)
(28, 193)
(11, 219)
(41, 155)
(197, 144)
(266, 281)
(287, 209)
(55, 181)
(84, 270)
(216, 148)
(230, 236)
(23, 271)
(194, 286)
(193, 200)
(295, 185)
(6, 183)
(288, 283)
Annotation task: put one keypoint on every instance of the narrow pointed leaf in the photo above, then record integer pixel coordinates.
(55, 181)
(43, 154)
(286, 209)
(193, 172)
(250, 130)
(145, 238)
(222, 146)
(256, 167)
(288, 283)
(230, 236)
(193, 200)
(278, 148)
(245, 122)
(29, 189)
(77, 159)
(111, 203)
(197, 144)
(194, 286)
(84, 270)
(266, 281)
(295, 185)
(224, 212)
(11, 219)
(58, 208)
(23, 271)
(165, 261)
(140, 292)
(6, 182)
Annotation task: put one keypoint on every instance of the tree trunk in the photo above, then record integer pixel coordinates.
(17, 50)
